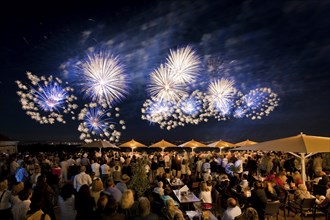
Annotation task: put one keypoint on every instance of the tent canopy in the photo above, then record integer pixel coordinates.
(299, 144)
(246, 143)
(221, 144)
(132, 144)
(100, 144)
(193, 144)
(162, 144)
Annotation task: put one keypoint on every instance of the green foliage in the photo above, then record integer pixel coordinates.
(139, 182)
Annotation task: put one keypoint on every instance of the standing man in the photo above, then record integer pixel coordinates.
(81, 179)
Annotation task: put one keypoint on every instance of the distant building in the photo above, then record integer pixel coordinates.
(7, 146)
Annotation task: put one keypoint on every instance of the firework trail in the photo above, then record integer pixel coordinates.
(103, 78)
(46, 100)
(98, 123)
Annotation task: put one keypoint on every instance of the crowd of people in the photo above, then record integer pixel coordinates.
(95, 185)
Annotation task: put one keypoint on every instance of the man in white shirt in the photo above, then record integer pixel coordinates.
(65, 167)
(96, 168)
(232, 210)
(81, 179)
(105, 171)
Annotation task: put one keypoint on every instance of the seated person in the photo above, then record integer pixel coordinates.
(167, 196)
(144, 210)
(159, 189)
(171, 211)
(232, 210)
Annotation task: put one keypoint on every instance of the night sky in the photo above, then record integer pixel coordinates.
(283, 45)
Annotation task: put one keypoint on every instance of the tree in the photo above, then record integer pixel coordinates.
(139, 182)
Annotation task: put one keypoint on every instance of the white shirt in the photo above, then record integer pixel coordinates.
(67, 208)
(19, 210)
(105, 169)
(96, 169)
(81, 179)
(205, 196)
(231, 213)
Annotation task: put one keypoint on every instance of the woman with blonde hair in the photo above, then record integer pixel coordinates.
(171, 212)
(127, 205)
(97, 187)
(205, 194)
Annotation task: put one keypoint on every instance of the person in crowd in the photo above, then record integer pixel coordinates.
(84, 203)
(36, 173)
(5, 195)
(205, 194)
(317, 164)
(101, 205)
(20, 209)
(21, 174)
(105, 171)
(111, 189)
(251, 214)
(144, 210)
(95, 166)
(232, 210)
(97, 187)
(81, 179)
(270, 191)
(16, 189)
(64, 168)
(111, 210)
(47, 194)
(36, 212)
(159, 189)
(127, 205)
(66, 202)
(324, 180)
(302, 193)
(116, 174)
(167, 196)
(259, 198)
(171, 211)
(122, 185)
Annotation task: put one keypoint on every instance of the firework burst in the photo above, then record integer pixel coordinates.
(259, 103)
(103, 78)
(184, 65)
(99, 123)
(46, 100)
(164, 87)
(220, 98)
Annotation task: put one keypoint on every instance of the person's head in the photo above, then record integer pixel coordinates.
(204, 187)
(251, 214)
(82, 169)
(109, 183)
(67, 191)
(231, 202)
(102, 202)
(125, 178)
(111, 206)
(167, 191)
(97, 185)
(144, 206)
(37, 202)
(160, 184)
(17, 188)
(25, 194)
(127, 199)
(170, 202)
(84, 191)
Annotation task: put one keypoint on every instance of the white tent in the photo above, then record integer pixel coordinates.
(301, 146)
